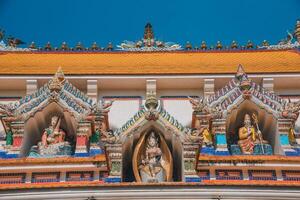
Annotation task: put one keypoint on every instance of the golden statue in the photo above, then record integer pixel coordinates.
(152, 160)
(207, 137)
(249, 136)
(292, 137)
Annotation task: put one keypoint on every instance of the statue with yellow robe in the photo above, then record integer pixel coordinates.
(249, 136)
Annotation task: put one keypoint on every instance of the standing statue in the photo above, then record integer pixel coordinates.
(152, 160)
(249, 136)
(151, 166)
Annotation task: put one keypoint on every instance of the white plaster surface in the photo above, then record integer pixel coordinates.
(121, 111)
(181, 109)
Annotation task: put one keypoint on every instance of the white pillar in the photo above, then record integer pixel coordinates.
(96, 175)
(279, 174)
(92, 89)
(62, 177)
(212, 173)
(268, 83)
(151, 86)
(31, 86)
(209, 87)
(245, 174)
(28, 177)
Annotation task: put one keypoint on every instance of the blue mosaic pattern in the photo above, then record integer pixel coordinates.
(236, 150)
(113, 180)
(221, 139)
(192, 179)
(284, 139)
(207, 150)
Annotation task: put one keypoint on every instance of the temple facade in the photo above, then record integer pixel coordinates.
(150, 119)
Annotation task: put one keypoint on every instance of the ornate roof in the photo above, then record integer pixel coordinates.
(180, 62)
(58, 90)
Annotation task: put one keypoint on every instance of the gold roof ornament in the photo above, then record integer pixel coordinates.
(219, 45)
(48, 47)
(79, 46)
(203, 45)
(245, 82)
(94, 46)
(64, 46)
(56, 83)
(188, 46)
(265, 43)
(148, 34)
(240, 71)
(109, 47)
(234, 45)
(249, 45)
(32, 46)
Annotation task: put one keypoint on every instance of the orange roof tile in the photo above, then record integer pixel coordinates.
(182, 62)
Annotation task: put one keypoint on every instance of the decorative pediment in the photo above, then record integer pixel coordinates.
(152, 113)
(240, 89)
(57, 90)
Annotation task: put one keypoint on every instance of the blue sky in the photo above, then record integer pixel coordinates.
(174, 20)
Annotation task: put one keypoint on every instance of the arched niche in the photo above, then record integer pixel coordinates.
(174, 145)
(35, 126)
(267, 124)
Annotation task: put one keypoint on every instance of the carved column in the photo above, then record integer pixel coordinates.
(31, 86)
(202, 120)
(151, 87)
(190, 157)
(95, 147)
(284, 126)
(219, 125)
(92, 89)
(82, 137)
(209, 87)
(114, 154)
(18, 134)
(268, 83)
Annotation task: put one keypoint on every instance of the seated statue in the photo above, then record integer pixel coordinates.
(151, 169)
(53, 142)
(53, 134)
(249, 136)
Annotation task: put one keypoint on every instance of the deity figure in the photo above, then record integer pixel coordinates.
(53, 134)
(249, 136)
(207, 138)
(53, 142)
(151, 166)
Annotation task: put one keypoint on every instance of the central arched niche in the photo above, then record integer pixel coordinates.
(35, 126)
(267, 124)
(128, 147)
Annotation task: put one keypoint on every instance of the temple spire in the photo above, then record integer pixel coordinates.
(148, 34)
(297, 31)
(240, 71)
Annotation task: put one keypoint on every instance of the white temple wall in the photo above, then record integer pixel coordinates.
(12, 93)
(126, 104)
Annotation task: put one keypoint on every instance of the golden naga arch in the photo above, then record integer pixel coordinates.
(166, 159)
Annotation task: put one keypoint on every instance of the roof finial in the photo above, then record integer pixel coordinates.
(148, 34)
(240, 71)
(297, 31)
(56, 83)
